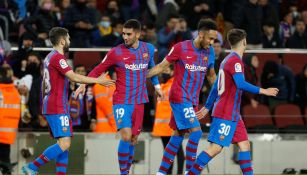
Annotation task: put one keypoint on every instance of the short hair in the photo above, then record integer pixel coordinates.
(172, 15)
(206, 24)
(134, 24)
(234, 36)
(56, 33)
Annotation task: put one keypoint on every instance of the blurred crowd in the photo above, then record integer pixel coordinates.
(99, 23)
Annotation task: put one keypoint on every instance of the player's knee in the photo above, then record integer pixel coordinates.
(64, 143)
(214, 149)
(126, 137)
(244, 146)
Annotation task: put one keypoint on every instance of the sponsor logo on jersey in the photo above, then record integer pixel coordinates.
(195, 68)
(136, 66)
(238, 67)
(63, 64)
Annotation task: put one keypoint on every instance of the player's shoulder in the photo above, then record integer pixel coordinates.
(233, 58)
(149, 46)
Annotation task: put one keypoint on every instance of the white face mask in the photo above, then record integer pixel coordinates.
(105, 24)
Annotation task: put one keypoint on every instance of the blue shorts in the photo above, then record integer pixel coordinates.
(222, 131)
(129, 116)
(60, 125)
(184, 116)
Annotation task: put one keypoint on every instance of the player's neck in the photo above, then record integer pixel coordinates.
(135, 45)
(239, 51)
(196, 43)
(59, 49)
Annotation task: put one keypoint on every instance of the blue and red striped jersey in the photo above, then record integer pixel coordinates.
(131, 67)
(55, 84)
(190, 67)
(227, 105)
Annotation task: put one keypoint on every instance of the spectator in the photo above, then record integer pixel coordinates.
(103, 28)
(251, 63)
(301, 88)
(304, 16)
(113, 38)
(175, 31)
(113, 10)
(9, 118)
(250, 20)
(220, 54)
(130, 9)
(60, 8)
(43, 20)
(299, 38)
(269, 13)
(151, 34)
(286, 28)
(281, 77)
(80, 20)
(18, 58)
(92, 4)
(170, 8)
(270, 38)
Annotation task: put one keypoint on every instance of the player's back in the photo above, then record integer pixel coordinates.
(55, 84)
(227, 104)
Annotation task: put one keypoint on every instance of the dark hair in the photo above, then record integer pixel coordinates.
(206, 24)
(172, 15)
(234, 36)
(134, 24)
(56, 33)
(299, 20)
(78, 66)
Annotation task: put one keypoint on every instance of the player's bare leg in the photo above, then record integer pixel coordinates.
(244, 158)
(64, 143)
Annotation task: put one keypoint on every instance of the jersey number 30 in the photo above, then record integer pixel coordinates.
(225, 129)
(221, 82)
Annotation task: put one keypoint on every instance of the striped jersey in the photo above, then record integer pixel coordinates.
(190, 67)
(55, 84)
(227, 104)
(131, 67)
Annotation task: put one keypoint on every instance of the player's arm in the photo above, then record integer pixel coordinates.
(209, 102)
(158, 68)
(154, 79)
(72, 76)
(243, 85)
(211, 76)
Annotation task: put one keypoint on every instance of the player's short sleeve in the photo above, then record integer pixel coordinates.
(151, 50)
(211, 58)
(60, 64)
(235, 65)
(174, 53)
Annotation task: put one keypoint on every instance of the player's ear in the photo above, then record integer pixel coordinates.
(138, 33)
(201, 34)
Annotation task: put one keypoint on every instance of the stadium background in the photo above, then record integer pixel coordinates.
(278, 132)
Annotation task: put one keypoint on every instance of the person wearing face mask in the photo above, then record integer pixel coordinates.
(113, 38)
(103, 28)
(44, 19)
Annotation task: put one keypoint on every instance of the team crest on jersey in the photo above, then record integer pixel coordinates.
(145, 56)
(238, 67)
(222, 137)
(64, 129)
(205, 59)
(63, 64)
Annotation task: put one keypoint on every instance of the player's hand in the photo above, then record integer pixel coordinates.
(81, 89)
(202, 113)
(159, 93)
(269, 91)
(103, 80)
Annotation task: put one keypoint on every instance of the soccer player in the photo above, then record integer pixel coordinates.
(55, 102)
(227, 125)
(131, 61)
(192, 60)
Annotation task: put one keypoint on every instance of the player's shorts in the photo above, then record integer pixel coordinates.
(223, 132)
(129, 116)
(60, 125)
(183, 116)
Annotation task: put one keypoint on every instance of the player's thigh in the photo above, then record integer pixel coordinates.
(184, 116)
(123, 115)
(137, 119)
(60, 125)
(240, 136)
(221, 131)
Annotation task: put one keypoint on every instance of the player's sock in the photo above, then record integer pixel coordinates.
(191, 148)
(131, 155)
(245, 163)
(202, 160)
(170, 152)
(123, 156)
(61, 163)
(49, 154)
